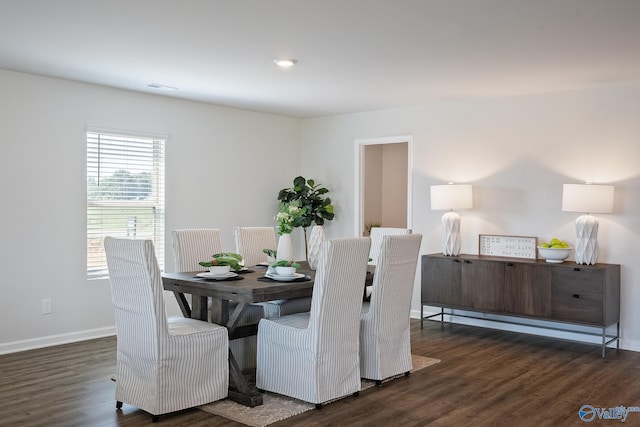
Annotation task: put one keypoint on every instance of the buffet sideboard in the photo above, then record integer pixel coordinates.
(574, 294)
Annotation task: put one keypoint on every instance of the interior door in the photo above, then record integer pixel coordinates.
(383, 183)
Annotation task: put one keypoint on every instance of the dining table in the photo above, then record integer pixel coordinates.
(250, 286)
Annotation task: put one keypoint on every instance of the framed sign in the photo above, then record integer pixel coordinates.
(508, 246)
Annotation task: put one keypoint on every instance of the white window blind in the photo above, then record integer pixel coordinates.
(125, 193)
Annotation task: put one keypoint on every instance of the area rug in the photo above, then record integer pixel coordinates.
(276, 407)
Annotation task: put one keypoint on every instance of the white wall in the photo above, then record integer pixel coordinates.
(517, 152)
(246, 156)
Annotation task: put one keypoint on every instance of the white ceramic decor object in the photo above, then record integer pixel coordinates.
(588, 198)
(451, 233)
(586, 239)
(315, 242)
(450, 197)
(285, 248)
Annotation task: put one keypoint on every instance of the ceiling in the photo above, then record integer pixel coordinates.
(353, 55)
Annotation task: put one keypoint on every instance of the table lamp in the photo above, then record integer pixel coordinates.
(587, 198)
(449, 197)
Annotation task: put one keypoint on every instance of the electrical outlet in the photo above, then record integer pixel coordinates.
(46, 306)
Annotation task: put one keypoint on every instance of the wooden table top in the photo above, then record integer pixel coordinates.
(248, 289)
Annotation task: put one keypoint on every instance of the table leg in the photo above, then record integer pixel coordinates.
(241, 392)
(199, 308)
(183, 303)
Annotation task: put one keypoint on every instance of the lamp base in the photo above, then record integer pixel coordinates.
(586, 239)
(451, 233)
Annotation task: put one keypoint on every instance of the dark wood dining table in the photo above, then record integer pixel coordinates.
(245, 289)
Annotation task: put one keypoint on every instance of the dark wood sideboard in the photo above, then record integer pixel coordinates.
(574, 294)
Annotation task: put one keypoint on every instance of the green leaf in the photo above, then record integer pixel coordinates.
(309, 197)
(285, 263)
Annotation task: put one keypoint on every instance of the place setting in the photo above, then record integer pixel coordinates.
(221, 266)
(284, 271)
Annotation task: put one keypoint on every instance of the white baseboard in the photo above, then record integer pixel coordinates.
(17, 346)
(51, 340)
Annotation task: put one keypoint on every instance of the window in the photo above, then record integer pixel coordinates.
(125, 193)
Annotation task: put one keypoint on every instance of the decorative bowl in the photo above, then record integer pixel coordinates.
(286, 271)
(556, 255)
(220, 269)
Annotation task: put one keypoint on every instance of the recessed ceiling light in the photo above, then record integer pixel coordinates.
(285, 63)
(159, 86)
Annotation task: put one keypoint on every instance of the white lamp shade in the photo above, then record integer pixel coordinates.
(451, 196)
(587, 198)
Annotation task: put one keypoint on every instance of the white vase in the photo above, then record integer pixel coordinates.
(313, 248)
(285, 248)
(451, 233)
(586, 240)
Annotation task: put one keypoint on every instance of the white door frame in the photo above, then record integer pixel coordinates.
(359, 176)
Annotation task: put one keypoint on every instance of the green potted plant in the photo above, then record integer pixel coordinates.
(311, 204)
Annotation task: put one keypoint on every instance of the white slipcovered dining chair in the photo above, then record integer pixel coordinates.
(385, 347)
(163, 365)
(377, 233)
(250, 242)
(314, 356)
(190, 246)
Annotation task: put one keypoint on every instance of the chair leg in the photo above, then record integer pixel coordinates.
(357, 393)
(378, 383)
(318, 405)
(118, 404)
(155, 418)
(406, 374)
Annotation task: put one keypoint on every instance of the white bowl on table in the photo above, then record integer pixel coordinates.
(220, 269)
(285, 271)
(555, 255)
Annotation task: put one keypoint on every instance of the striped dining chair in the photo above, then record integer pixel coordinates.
(385, 348)
(162, 365)
(314, 356)
(377, 233)
(190, 246)
(250, 242)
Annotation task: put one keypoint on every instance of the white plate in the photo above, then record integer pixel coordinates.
(210, 275)
(281, 278)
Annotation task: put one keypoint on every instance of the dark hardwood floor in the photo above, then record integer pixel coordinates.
(486, 378)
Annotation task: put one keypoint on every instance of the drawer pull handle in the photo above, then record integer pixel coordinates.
(456, 260)
(576, 295)
(576, 269)
(466, 261)
(510, 264)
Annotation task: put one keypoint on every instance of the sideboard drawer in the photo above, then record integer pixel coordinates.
(577, 295)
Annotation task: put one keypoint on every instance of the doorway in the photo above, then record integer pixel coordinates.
(383, 183)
